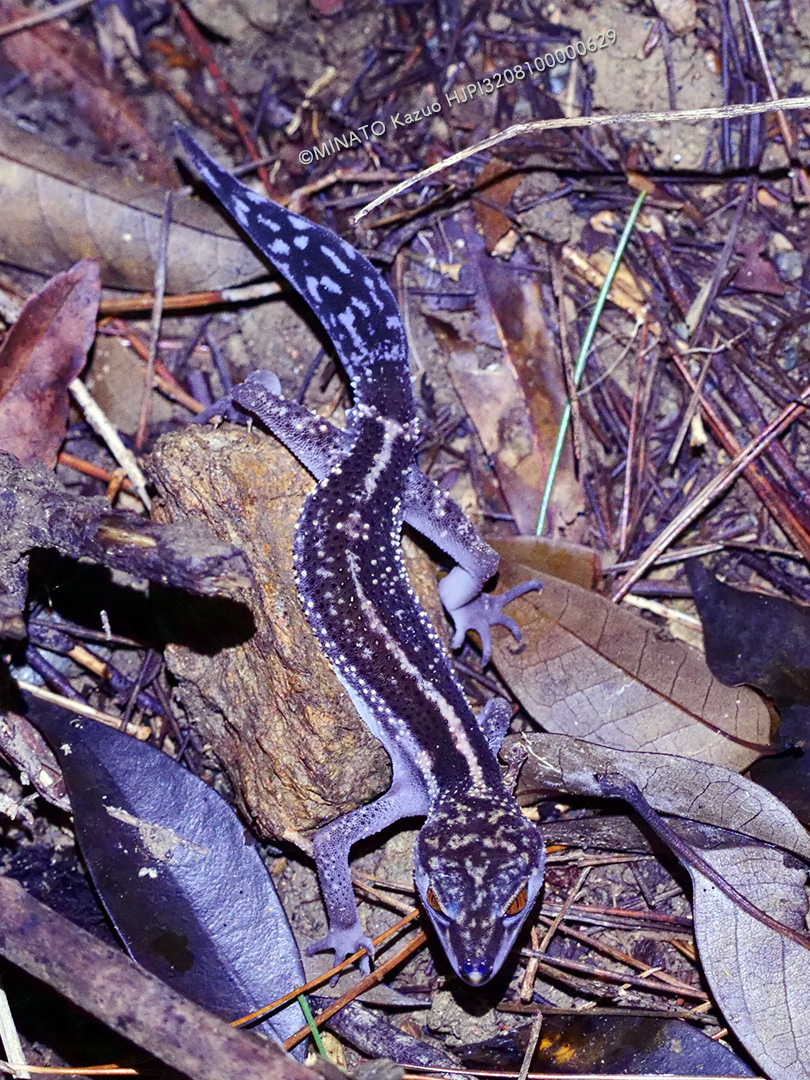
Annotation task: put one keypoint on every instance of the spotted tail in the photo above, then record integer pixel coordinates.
(348, 295)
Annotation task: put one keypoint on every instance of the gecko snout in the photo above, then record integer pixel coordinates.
(475, 971)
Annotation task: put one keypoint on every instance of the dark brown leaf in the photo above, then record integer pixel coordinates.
(763, 641)
(44, 350)
(516, 403)
(758, 275)
(496, 185)
(628, 1045)
(58, 60)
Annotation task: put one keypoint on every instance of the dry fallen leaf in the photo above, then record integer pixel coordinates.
(591, 670)
(758, 977)
(495, 187)
(763, 641)
(60, 207)
(516, 403)
(56, 59)
(43, 351)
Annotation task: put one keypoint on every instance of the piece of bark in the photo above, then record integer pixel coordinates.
(266, 700)
(36, 512)
(21, 743)
(108, 985)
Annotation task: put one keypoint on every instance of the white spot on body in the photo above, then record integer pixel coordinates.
(331, 285)
(334, 258)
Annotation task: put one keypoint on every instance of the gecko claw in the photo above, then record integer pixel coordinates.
(345, 943)
(487, 611)
(228, 406)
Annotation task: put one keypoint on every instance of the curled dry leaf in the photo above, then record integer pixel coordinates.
(591, 670)
(758, 977)
(516, 403)
(59, 207)
(694, 790)
(43, 352)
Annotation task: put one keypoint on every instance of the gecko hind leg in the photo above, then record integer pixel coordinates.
(317, 444)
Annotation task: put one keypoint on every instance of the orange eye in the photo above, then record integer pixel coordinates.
(433, 900)
(518, 903)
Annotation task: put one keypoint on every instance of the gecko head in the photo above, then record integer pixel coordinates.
(478, 869)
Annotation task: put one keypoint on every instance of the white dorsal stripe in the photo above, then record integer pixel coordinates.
(455, 725)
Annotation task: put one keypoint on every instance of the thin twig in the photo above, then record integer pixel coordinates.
(558, 288)
(139, 731)
(536, 126)
(213, 298)
(106, 430)
(632, 435)
(43, 16)
(154, 328)
(359, 988)
(620, 787)
(784, 127)
(198, 43)
(319, 980)
(713, 490)
(694, 400)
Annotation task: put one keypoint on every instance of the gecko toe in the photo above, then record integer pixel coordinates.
(345, 943)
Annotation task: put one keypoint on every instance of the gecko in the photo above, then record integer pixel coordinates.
(478, 863)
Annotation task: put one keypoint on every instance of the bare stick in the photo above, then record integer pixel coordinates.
(108, 985)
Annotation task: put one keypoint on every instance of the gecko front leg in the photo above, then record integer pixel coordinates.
(436, 516)
(405, 798)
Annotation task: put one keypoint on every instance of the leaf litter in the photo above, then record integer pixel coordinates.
(757, 973)
(667, 703)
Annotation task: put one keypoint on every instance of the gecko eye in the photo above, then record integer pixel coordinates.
(433, 900)
(519, 902)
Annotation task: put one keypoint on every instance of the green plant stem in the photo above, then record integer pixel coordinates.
(316, 1035)
(585, 349)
